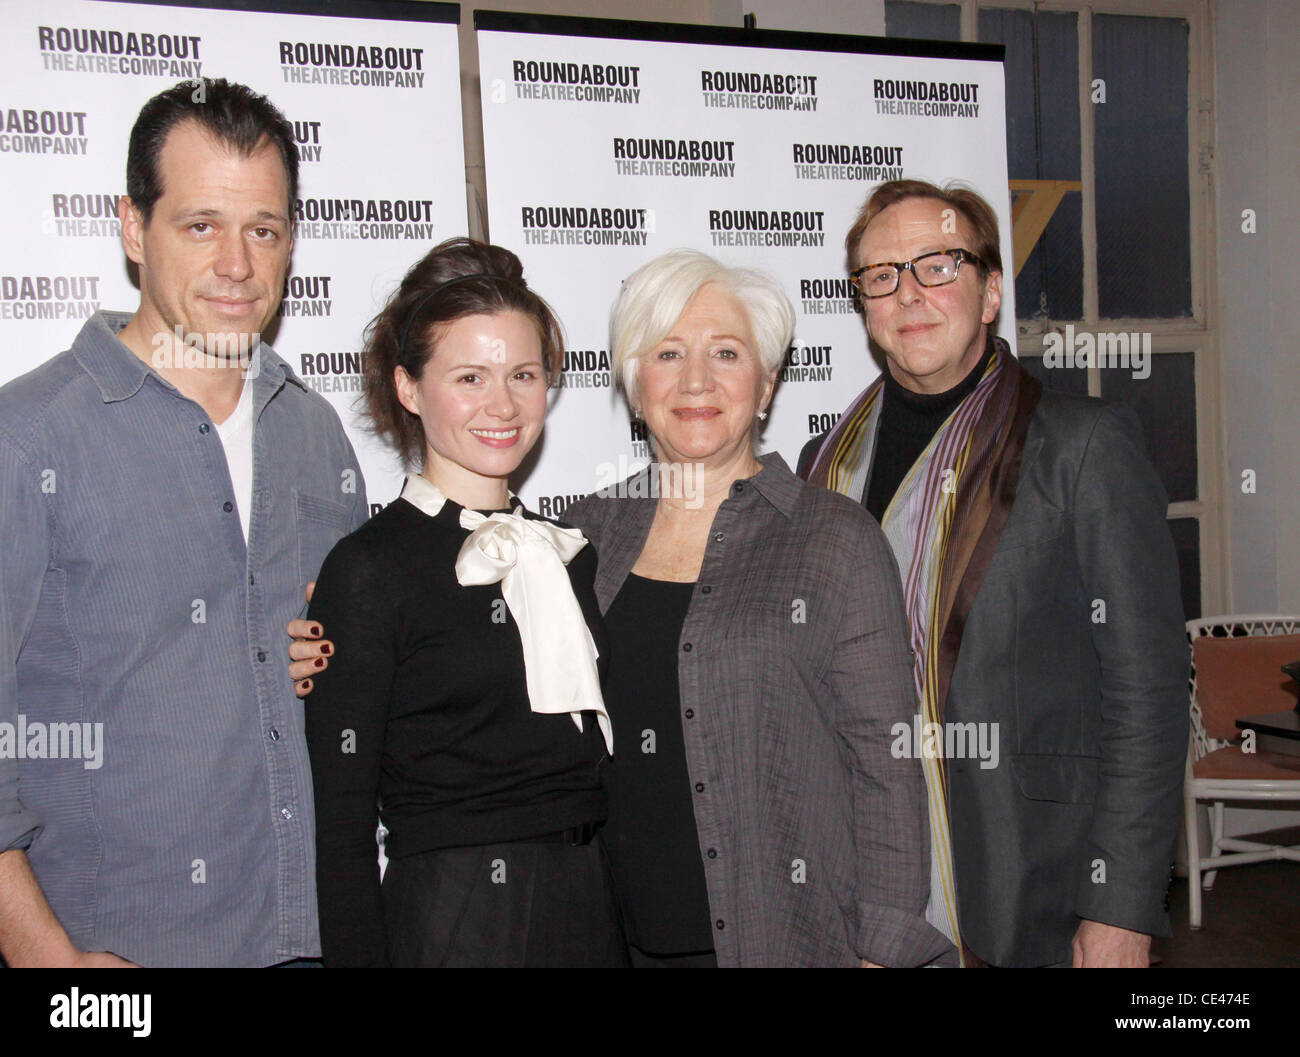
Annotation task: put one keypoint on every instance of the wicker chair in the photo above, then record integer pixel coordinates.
(1235, 672)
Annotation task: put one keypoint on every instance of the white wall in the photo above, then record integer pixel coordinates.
(1257, 166)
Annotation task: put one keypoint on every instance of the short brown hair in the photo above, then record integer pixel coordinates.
(970, 204)
(232, 114)
(457, 278)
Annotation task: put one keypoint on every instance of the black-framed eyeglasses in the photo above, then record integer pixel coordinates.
(929, 269)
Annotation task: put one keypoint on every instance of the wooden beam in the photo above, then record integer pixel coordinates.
(1034, 203)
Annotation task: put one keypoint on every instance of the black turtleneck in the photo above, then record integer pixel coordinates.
(908, 422)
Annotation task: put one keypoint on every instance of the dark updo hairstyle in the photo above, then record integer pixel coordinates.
(458, 278)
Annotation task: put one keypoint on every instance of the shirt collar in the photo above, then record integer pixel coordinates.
(119, 373)
(429, 499)
(777, 483)
(424, 495)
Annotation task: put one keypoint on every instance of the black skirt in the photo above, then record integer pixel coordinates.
(511, 905)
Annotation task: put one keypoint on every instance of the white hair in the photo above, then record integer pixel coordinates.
(654, 297)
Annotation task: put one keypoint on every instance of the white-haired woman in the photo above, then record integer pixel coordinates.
(758, 661)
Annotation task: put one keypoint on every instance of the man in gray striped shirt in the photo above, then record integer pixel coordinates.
(169, 487)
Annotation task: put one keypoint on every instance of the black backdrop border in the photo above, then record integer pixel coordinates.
(733, 36)
(383, 10)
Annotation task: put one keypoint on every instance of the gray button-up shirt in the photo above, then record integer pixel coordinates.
(152, 759)
(794, 667)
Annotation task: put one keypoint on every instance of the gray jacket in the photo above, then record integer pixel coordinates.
(1074, 646)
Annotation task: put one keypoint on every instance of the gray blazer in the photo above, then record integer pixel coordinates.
(1079, 818)
(793, 669)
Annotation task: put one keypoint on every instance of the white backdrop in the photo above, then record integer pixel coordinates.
(382, 165)
(604, 151)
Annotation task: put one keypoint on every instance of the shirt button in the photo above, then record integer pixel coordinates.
(699, 787)
(690, 713)
(285, 813)
(719, 537)
(705, 589)
(686, 647)
(712, 853)
(720, 924)
(204, 427)
(738, 487)
(275, 734)
(227, 506)
(261, 656)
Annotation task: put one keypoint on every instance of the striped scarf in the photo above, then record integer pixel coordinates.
(942, 524)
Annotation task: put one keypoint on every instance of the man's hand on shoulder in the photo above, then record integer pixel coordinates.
(1100, 946)
(308, 650)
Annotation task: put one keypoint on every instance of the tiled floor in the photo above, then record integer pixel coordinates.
(1251, 918)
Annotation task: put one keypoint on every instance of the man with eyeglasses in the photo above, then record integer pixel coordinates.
(1042, 591)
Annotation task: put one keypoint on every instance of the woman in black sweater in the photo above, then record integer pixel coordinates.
(463, 706)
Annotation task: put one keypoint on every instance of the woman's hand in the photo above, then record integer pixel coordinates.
(308, 650)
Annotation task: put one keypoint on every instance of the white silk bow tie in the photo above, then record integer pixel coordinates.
(528, 558)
